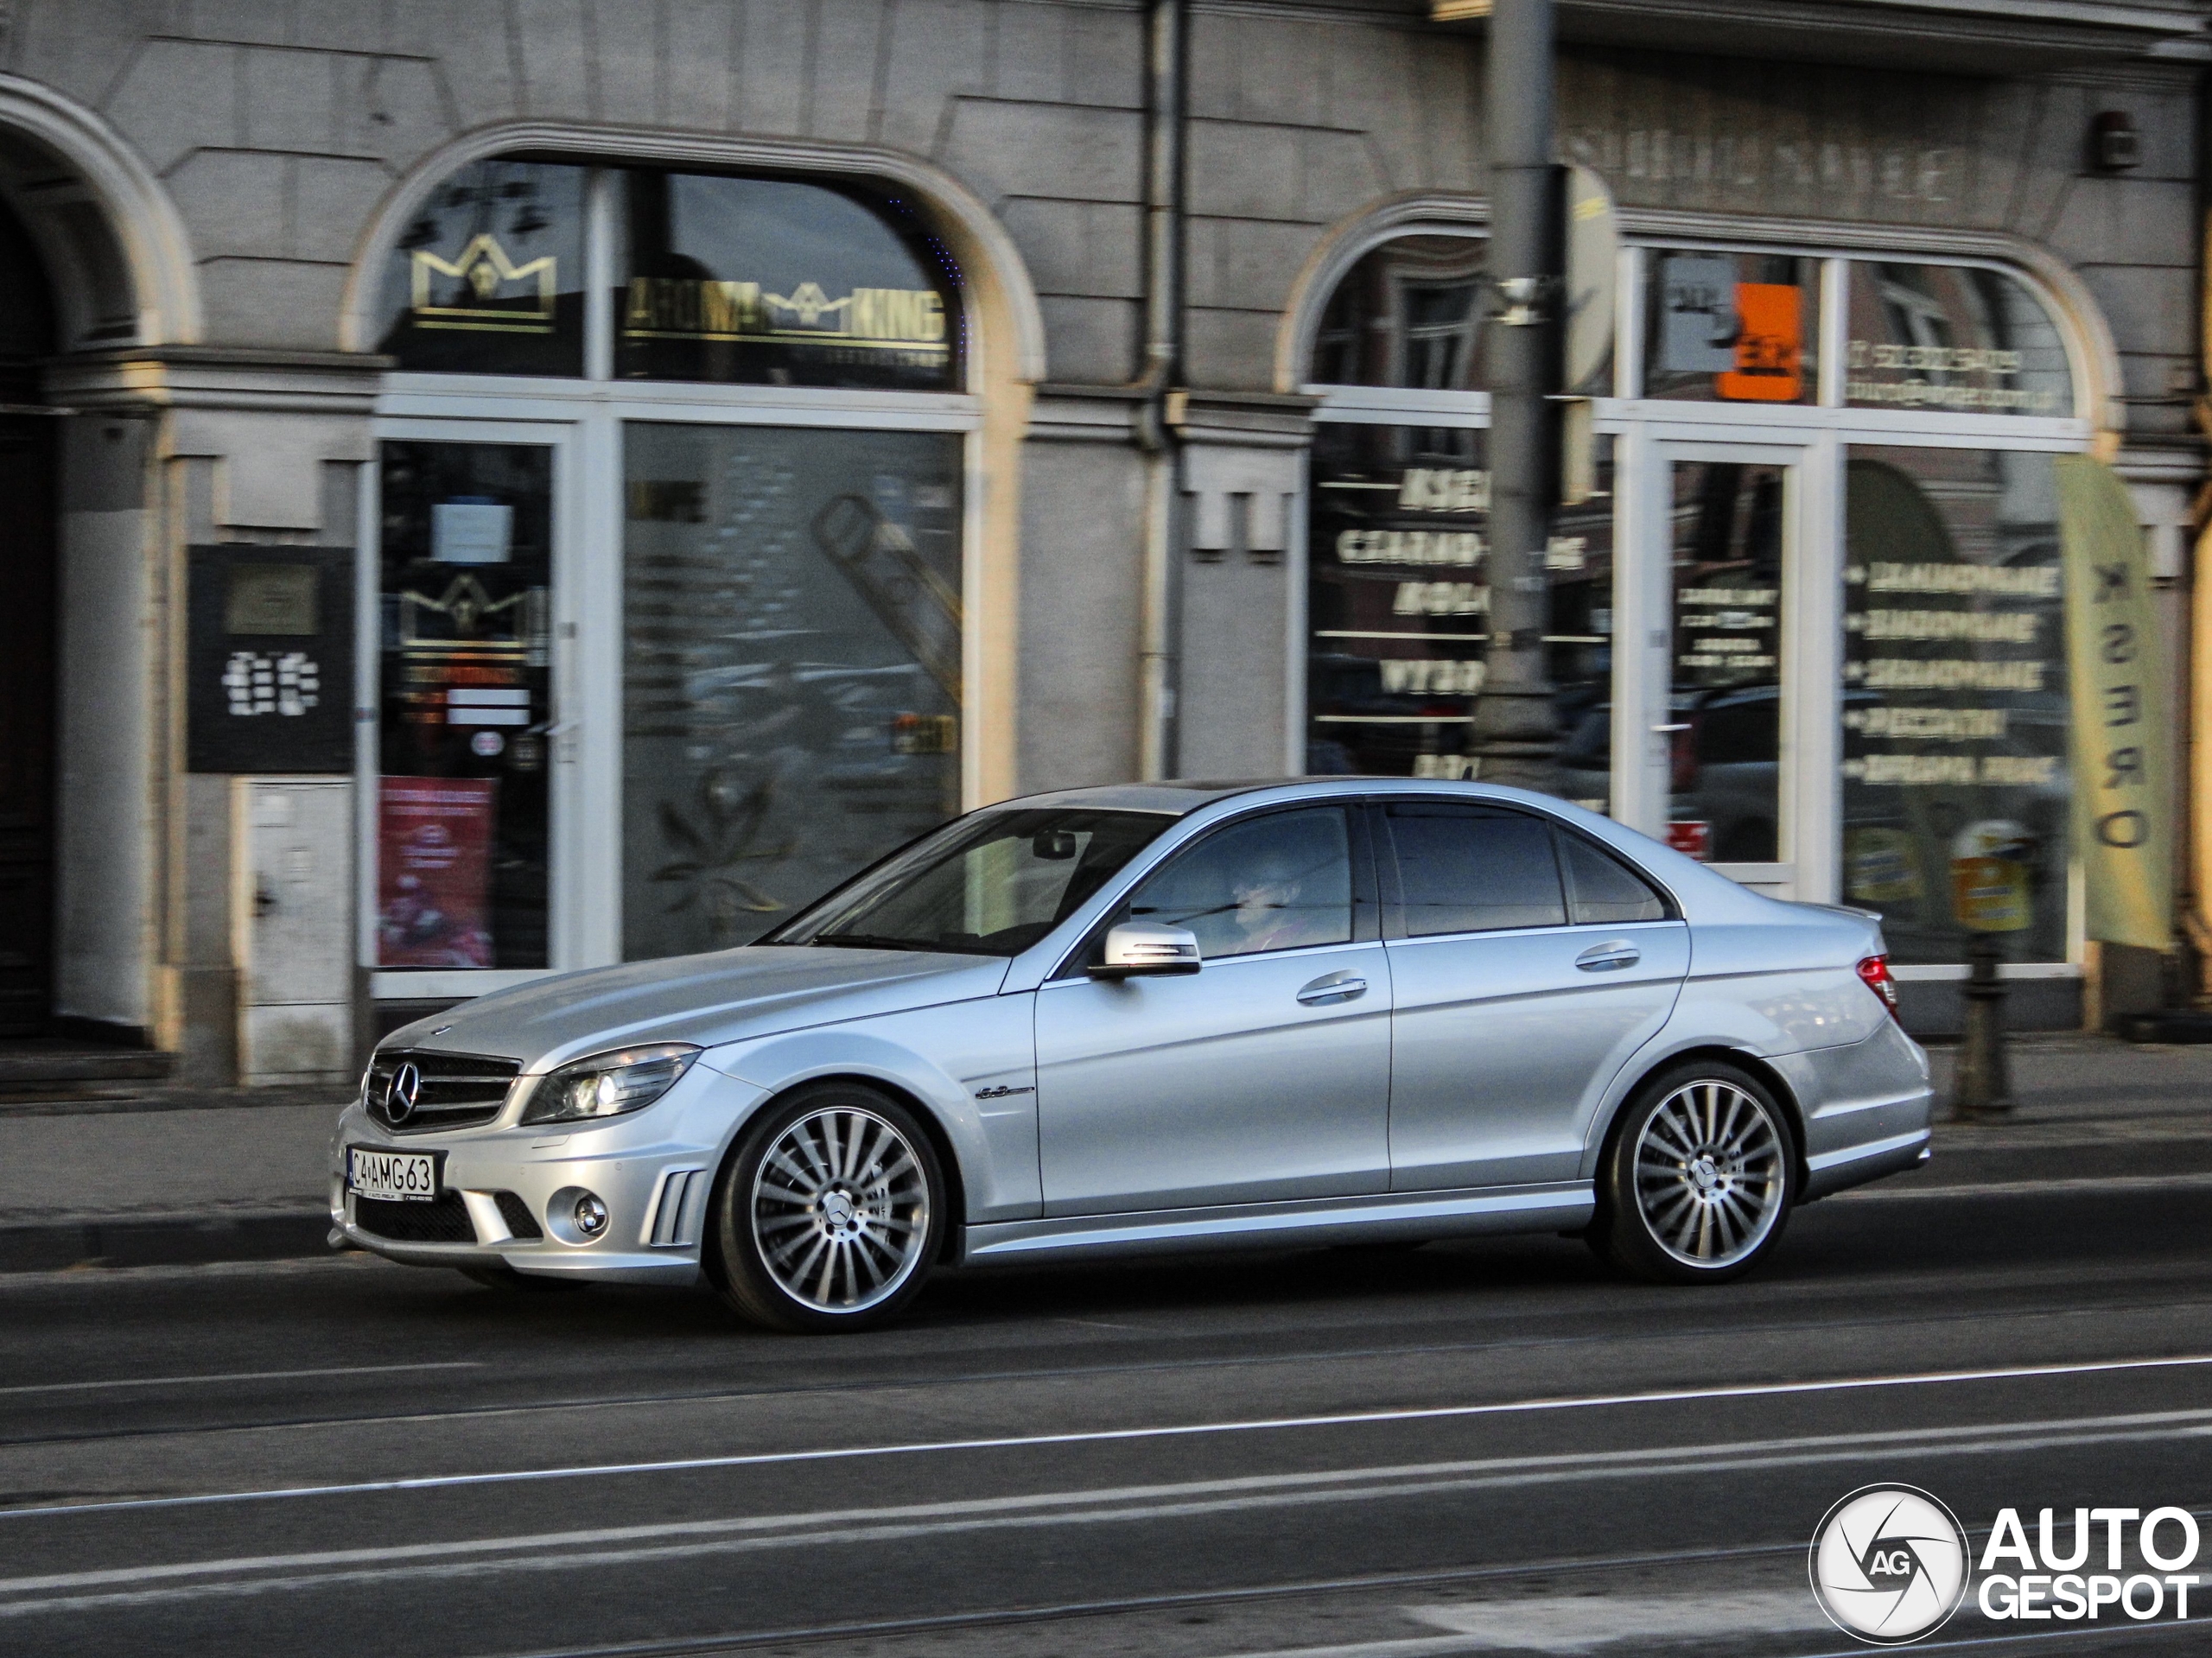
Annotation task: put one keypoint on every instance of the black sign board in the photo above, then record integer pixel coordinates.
(271, 659)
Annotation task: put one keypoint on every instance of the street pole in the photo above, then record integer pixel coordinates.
(1515, 732)
(1983, 1086)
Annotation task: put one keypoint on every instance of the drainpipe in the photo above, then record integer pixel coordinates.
(1166, 54)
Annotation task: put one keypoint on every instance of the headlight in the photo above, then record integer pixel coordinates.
(608, 1084)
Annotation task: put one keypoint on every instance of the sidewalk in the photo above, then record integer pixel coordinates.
(180, 1176)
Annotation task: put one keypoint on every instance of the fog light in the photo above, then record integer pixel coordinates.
(591, 1215)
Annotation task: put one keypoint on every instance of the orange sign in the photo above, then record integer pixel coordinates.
(1770, 345)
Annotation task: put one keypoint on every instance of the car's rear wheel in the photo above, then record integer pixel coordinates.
(1698, 1178)
(830, 1213)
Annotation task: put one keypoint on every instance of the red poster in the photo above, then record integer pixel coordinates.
(1691, 838)
(434, 866)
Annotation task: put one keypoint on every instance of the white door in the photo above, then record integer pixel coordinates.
(1726, 723)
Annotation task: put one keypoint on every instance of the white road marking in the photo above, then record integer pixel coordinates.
(681, 1540)
(1103, 1436)
(2196, 1182)
(240, 1376)
(1572, 1623)
(1578, 1622)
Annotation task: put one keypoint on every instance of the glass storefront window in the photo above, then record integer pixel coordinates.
(1398, 607)
(1730, 327)
(1725, 719)
(791, 691)
(1409, 314)
(488, 278)
(466, 701)
(1958, 338)
(1955, 707)
(767, 281)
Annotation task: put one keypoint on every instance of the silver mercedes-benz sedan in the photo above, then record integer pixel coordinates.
(1160, 1017)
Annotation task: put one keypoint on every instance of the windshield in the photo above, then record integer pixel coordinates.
(992, 884)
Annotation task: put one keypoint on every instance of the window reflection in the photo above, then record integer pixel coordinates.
(487, 278)
(1724, 755)
(770, 282)
(1956, 714)
(1281, 882)
(1398, 603)
(1409, 314)
(1730, 327)
(1953, 337)
(467, 703)
(792, 687)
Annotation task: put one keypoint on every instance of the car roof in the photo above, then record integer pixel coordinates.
(1175, 798)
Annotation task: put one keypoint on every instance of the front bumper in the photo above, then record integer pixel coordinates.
(653, 1170)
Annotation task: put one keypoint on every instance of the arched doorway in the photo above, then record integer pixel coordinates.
(29, 620)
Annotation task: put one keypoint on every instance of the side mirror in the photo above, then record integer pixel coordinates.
(1143, 950)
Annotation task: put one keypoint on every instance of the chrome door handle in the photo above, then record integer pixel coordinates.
(1333, 988)
(1603, 958)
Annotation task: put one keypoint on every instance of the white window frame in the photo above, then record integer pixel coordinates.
(583, 419)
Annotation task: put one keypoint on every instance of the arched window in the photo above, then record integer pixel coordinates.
(669, 560)
(1828, 656)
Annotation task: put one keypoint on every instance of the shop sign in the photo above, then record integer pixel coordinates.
(489, 292)
(906, 320)
(2123, 799)
(269, 660)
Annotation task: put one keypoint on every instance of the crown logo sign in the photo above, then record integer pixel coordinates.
(485, 269)
(808, 303)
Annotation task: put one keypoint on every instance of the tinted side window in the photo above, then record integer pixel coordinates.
(1602, 891)
(1280, 882)
(1475, 871)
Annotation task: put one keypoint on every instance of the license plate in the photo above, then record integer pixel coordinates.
(392, 1177)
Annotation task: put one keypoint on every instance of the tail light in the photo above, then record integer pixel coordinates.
(1874, 973)
(1681, 756)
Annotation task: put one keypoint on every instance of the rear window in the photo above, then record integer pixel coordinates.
(1470, 869)
(1602, 891)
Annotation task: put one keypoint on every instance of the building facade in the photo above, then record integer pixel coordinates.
(498, 488)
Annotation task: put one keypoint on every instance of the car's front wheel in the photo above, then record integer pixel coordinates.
(830, 1213)
(1698, 1178)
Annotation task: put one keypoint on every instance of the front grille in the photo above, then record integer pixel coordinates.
(457, 1090)
(521, 1223)
(443, 1219)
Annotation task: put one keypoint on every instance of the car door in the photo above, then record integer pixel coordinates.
(1526, 964)
(1264, 1076)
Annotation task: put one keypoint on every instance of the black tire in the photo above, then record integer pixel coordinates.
(506, 1278)
(1698, 1177)
(871, 1231)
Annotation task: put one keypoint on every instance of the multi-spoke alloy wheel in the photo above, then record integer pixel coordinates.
(1698, 1180)
(828, 1217)
(1708, 1173)
(840, 1209)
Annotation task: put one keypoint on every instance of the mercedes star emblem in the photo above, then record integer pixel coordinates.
(401, 1092)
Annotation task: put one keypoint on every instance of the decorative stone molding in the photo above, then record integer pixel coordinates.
(1244, 470)
(269, 418)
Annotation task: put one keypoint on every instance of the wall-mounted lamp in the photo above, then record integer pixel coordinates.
(2114, 145)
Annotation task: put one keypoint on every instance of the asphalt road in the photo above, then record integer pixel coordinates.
(1472, 1448)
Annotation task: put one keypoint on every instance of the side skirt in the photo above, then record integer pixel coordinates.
(1415, 1214)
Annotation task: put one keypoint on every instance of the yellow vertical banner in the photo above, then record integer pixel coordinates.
(2123, 799)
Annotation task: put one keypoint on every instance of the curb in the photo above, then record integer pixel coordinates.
(166, 1241)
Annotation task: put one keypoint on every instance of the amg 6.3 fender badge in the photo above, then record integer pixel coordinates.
(1888, 1564)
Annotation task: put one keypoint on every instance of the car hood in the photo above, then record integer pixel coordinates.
(708, 999)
